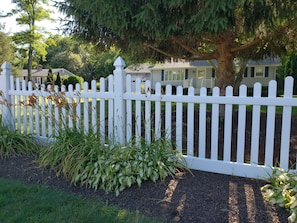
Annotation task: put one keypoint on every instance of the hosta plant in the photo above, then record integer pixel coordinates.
(85, 160)
(282, 191)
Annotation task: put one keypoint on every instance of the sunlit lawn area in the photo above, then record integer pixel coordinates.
(20, 202)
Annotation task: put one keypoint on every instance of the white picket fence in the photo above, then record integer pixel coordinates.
(193, 122)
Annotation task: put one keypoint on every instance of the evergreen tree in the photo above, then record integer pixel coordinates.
(50, 78)
(58, 80)
(188, 29)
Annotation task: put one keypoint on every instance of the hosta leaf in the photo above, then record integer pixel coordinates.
(138, 180)
(141, 173)
(129, 181)
(292, 218)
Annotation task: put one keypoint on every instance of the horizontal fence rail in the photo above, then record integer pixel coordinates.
(227, 134)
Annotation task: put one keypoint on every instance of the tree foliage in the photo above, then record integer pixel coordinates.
(6, 49)
(79, 57)
(288, 68)
(188, 29)
(30, 40)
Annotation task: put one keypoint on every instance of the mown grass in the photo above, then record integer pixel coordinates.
(22, 202)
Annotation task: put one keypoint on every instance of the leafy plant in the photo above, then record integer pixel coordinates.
(84, 159)
(120, 167)
(282, 191)
(15, 143)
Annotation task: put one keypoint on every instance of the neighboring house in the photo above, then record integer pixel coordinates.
(39, 75)
(200, 73)
(260, 71)
(141, 71)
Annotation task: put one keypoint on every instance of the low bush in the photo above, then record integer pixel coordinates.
(85, 160)
(13, 142)
(282, 191)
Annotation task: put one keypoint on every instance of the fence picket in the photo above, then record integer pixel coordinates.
(24, 101)
(86, 110)
(190, 125)
(57, 115)
(110, 110)
(63, 118)
(138, 110)
(168, 113)
(18, 103)
(286, 125)
(31, 127)
(179, 120)
(147, 118)
(228, 126)
(241, 126)
(129, 109)
(43, 112)
(202, 125)
(11, 99)
(270, 127)
(70, 112)
(94, 107)
(50, 113)
(158, 112)
(255, 126)
(215, 125)
(102, 114)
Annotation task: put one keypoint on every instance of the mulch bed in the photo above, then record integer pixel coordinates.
(201, 197)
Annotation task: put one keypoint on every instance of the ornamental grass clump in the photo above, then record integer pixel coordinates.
(71, 151)
(13, 143)
(85, 160)
(282, 191)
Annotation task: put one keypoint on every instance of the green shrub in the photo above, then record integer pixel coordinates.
(15, 143)
(73, 79)
(85, 160)
(282, 191)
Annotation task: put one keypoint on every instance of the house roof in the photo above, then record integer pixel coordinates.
(202, 63)
(138, 69)
(44, 72)
(266, 61)
(205, 63)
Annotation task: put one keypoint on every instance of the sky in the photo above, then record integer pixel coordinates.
(10, 23)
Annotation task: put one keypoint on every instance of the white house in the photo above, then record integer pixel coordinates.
(200, 73)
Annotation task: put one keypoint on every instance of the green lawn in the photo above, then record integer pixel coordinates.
(20, 202)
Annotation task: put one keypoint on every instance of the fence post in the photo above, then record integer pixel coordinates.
(7, 119)
(119, 103)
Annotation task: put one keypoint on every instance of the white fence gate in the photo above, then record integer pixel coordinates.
(241, 142)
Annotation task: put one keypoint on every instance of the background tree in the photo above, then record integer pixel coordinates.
(288, 68)
(81, 58)
(50, 77)
(6, 49)
(64, 52)
(58, 80)
(188, 29)
(30, 41)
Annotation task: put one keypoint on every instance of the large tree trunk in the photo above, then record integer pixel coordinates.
(30, 56)
(225, 75)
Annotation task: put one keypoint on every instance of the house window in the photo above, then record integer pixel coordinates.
(259, 72)
(174, 75)
(201, 74)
